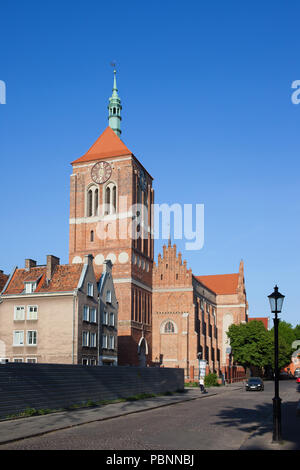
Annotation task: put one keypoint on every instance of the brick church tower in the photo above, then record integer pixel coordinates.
(110, 194)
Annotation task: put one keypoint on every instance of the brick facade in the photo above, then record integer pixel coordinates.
(166, 314)
(56, 321)
(104, 232)
(191, 315)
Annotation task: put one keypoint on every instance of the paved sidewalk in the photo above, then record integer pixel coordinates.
(261, 439)
(21, 428)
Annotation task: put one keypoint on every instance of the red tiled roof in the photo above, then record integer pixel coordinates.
(221, 283)
(107, 145)
(3, 280)
(16, 285)
(264, 320)
(64, 279)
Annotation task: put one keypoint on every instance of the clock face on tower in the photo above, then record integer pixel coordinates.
(101, 172)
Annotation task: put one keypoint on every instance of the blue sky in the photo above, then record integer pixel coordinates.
(206, 95)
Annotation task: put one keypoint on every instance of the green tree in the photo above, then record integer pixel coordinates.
(286, 336)
(297, 332)
(284, 351)
(285, 332)
(251, 344)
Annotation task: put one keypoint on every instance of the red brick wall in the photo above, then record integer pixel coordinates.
(133, 277)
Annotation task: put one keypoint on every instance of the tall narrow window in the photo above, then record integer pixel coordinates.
(32, 312)
(18, 338)
(110, 198)
(19, 313)
(92, 235)
(96, 201)
(114, 198)
(31, 338)
(108, 296)
(107, 200)
(85, 338)
(85, 313)
(90, 203)
(90, 289)
(93, 315)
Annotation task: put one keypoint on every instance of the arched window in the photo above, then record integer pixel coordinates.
(111, 198)
(92, 201)
(169, 327)
(114, 198)
(92, 235)
(107, 198)
(96, 201)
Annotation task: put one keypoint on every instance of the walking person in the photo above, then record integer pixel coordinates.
(201, 385)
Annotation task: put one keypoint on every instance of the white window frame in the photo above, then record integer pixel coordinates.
(90, 289)
(105, 317)
(112, 316)
(34, 359)
(28, 312)
(30, 287)
(93, 340)
(85, 359)
(15, 312)
(85, 334)
(93, 315)
(14, 338)
(108, 296)
(111, 342)
(33, 337)
(104, 342)
(18, 359)
(86, 310)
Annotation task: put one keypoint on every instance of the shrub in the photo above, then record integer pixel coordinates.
(211, 380)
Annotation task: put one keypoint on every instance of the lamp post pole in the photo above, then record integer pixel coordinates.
(276, 301)
(276, 399)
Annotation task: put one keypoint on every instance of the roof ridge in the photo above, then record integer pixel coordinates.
(108, 144)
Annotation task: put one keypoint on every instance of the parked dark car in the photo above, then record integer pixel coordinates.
(283, 375)
(255, 383)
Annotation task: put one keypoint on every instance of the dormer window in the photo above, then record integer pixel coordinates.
(30, 287)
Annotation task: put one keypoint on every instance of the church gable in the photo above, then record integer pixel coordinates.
(170, 270)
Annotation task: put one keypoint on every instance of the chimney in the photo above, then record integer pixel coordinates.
(107, 266)
(29, 263)
(52, 262)
(88, 259)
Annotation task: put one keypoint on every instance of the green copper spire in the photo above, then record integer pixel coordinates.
(114, 108)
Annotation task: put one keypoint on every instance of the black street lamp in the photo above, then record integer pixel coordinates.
(276, 301)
